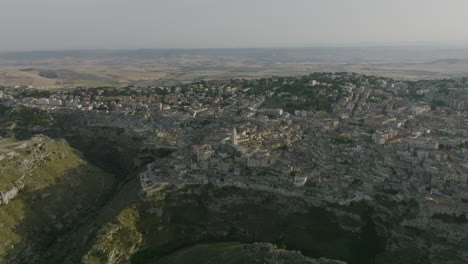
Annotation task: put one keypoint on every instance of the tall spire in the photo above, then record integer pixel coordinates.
(234, 136)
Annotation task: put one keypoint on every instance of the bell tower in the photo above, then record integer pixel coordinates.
(234, 136)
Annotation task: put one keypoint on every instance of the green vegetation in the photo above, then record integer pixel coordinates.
(282, 147)
(25, 116)
(443, 90)
(373, 100)
(58, 190)
(451, 219)
(95, 83)
(45, 156)
(413, 87)
(462, 145)
(459, 146)
(117, 241)
(35, 93)
(437, 103)
(299, 93)
(312, 103)
(343, 140)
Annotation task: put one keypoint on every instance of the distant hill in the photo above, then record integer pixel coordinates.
(450, 61)
(283, 55)
(155, 67)
(64, 74)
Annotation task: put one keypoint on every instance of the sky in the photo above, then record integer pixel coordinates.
(133, 24)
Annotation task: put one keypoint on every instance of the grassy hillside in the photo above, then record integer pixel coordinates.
(117, 241)
(57, 190)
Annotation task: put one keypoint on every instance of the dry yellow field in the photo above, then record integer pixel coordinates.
(74, 72)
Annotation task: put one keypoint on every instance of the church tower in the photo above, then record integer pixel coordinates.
(234, 136)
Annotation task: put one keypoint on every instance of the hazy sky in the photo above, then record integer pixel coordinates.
(71, 24)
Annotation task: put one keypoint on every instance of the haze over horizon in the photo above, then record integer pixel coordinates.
(123, 24)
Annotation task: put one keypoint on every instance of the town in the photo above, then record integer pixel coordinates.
(293, 134)
(334, 140)
(417, 125)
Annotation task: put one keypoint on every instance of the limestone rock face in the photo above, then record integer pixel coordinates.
(5, 197)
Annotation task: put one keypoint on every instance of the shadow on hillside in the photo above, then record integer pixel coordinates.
(249, 216)
(54, 217)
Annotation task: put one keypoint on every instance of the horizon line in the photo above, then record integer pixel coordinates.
(311, 46)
